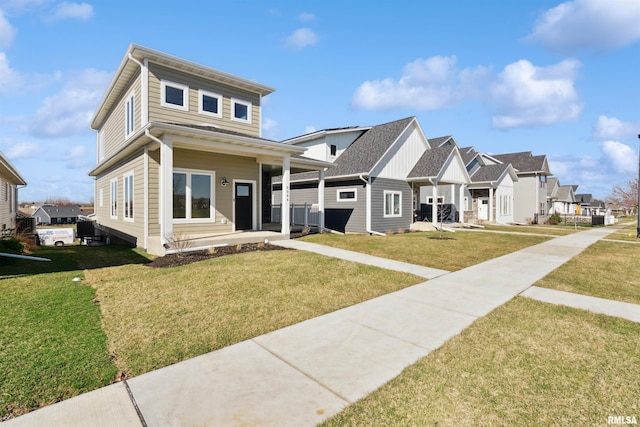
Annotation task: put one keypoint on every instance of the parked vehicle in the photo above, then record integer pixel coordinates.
(56, 236)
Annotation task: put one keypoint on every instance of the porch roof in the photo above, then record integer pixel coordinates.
(492, 173)
(431, 162)
(207, 138)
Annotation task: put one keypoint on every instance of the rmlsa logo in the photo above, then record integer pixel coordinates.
(622, 420)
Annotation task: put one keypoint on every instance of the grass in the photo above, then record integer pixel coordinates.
(526, 363)
(52, 345)
(465, 248)
(552, 230)
(156, 317)
(605, 270)
(629, 233)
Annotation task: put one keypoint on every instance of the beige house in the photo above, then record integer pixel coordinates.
(180, 156)
(10, 179)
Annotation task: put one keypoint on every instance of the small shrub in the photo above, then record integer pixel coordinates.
(238, 247)
(212, 250)
(12, 245)
(554, 219)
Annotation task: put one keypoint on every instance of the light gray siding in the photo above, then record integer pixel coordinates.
(378, 221)
(350, 213)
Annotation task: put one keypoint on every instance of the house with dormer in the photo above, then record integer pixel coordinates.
(530, 191)
(383, 178)
(10, 181)
(180, 154)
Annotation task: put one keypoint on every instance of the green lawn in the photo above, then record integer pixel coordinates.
(605, 270)
(461, 249)
(526, 363)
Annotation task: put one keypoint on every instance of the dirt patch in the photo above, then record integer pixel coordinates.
(441, 238)
(184, 258)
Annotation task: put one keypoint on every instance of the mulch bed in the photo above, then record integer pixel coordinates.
(184, 258)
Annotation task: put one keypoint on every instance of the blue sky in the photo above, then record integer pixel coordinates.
(555, 78)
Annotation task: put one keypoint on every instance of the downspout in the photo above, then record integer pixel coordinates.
(367, 184)
(144, 89)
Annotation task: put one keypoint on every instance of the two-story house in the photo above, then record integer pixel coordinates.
(530, 191)
(180, 153)
(10, 179)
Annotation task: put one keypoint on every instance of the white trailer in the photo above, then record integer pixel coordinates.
(56, 236)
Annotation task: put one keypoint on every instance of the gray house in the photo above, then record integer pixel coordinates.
(382, 176)
(50, 214)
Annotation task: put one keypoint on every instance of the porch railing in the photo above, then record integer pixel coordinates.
(299, 214)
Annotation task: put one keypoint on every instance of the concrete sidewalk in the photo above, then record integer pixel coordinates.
(305, 373)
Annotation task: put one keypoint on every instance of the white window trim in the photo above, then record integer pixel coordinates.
(212, 204)
(130, 108)
(384, 210)
(233, 111)
(201, 93)
(346, 190)
(185, 95)
(125, 193)
(113, 200)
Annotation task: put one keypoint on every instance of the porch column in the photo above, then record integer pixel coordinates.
(461, 201)
(286, 189)
(434, 204)
(166, 190)
(259, 189)
(321, 199)
(490, 204)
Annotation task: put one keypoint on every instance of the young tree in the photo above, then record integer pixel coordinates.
(625, 194)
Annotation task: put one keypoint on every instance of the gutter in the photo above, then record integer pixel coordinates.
(367, 183)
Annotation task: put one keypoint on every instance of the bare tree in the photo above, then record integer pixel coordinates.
(625, 194)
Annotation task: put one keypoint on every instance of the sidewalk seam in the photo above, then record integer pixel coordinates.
(347, 401)
(135, 404)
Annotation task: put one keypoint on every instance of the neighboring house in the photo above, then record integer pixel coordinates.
(590, 206)
(10, 180)
(180, 154)
(50, 214)
(560, 198)
(383, 177)
(490, 195)
(530, 191)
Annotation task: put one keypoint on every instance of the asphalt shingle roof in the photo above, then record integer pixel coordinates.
(551, 185)
(437, 142)
(467, 154)
(563, 192)
(524, 161)
(489, 173)
(431, 162)
(62, 211)
(363, 154)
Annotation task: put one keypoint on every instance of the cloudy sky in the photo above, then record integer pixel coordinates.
(555, 78)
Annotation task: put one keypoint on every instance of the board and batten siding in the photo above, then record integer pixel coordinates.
(160, 113)
(133, 228)
(114, 125)
(224, 165)
(378, 222)
(402, 156)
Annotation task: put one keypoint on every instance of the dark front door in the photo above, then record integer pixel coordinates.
(244, 206)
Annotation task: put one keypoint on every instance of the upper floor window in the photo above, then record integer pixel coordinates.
(130, 116)
(209, 103)
(241, 111)
(333, 149)
(174, 95)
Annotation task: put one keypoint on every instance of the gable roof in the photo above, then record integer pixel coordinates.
(565, 193)
(60, 211)
(367, 150)
(490, 173)
(131, 64)
(552, 186)
(525, 162)
(583, 198)
(431, 162)
(468, 154)
(441, 140)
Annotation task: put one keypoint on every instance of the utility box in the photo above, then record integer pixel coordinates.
(56, 236)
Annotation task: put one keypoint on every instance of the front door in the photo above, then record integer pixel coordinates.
(244, 206)
(483, 209)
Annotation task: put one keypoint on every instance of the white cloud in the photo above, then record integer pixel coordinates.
(22, 150)
(7, 32)
(309, 129)
(9, 79)
(301, 38)
(622, 157)
(69, 111)
(270, 128)
(306, 17)
(588, 24)
(612, 128)
(527, 95)
(426, 84)
(66, 10)
(77, 157)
